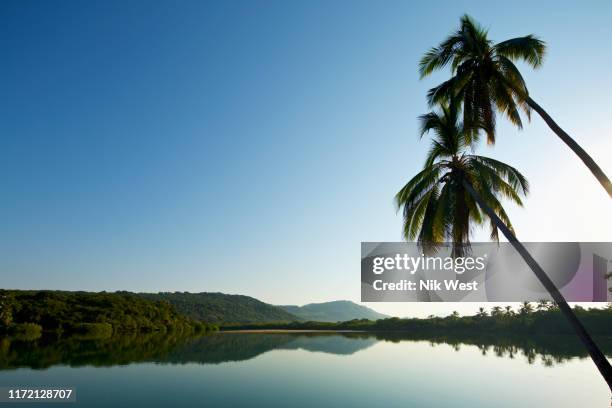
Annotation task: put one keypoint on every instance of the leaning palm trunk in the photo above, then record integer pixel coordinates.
(598, 357)
(571, 143)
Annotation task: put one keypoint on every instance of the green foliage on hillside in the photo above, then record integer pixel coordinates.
(91, 315)
(222, 308)
(336, 311)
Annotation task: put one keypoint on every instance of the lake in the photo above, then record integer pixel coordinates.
(308, 369)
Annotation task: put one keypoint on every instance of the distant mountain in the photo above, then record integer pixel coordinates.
(336, 311)
(230, 309)
(222, 308)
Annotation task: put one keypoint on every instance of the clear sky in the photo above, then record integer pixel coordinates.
(249, 147)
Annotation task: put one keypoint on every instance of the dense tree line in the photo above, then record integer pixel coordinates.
(100, 315)
(535, 318)
(29, 313)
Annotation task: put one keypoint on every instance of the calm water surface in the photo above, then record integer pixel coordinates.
(304, 370)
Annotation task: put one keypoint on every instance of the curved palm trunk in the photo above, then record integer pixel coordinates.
(598, 357)
(571, 143)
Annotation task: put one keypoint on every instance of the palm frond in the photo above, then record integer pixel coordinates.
(436, 151)
(528, 48)
(495, 182)
(413, 218)
(414, 191)
(483, 189)
(512, 76)
(505, 102)
(483, 107)
(444, 214)
(441, 93)
(429, 121)
(474, 35)
(511, 174)
(427, 239)
(438, 57)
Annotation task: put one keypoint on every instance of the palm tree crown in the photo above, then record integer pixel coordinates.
(436, 206)
(484, 74)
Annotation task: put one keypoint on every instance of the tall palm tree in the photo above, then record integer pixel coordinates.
(456, 190)
(486, 79)
(600, 360)
(436, 206)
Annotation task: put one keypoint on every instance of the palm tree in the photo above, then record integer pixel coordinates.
(603, 365)
(543, 305)
(436, 206)
(486, 79)
(525, 308)
(452, 192)
(496, 311)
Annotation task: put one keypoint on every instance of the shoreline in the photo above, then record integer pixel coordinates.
(289, 331)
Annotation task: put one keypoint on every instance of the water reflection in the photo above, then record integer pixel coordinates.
(550, 350)
(225, 347)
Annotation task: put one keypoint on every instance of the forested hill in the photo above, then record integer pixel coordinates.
(102, 313)
(222, 308)
(149, 311)
(336, 311)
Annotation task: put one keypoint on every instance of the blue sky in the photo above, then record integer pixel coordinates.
(249, 147)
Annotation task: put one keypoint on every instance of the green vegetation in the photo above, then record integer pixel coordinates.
(486, 80)
(93, 330)
(543, 318)
(88, 315)
(26, 331)
(436, 204)
(337, 311)
(455, 189)
(221, 308)
(99, 315)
